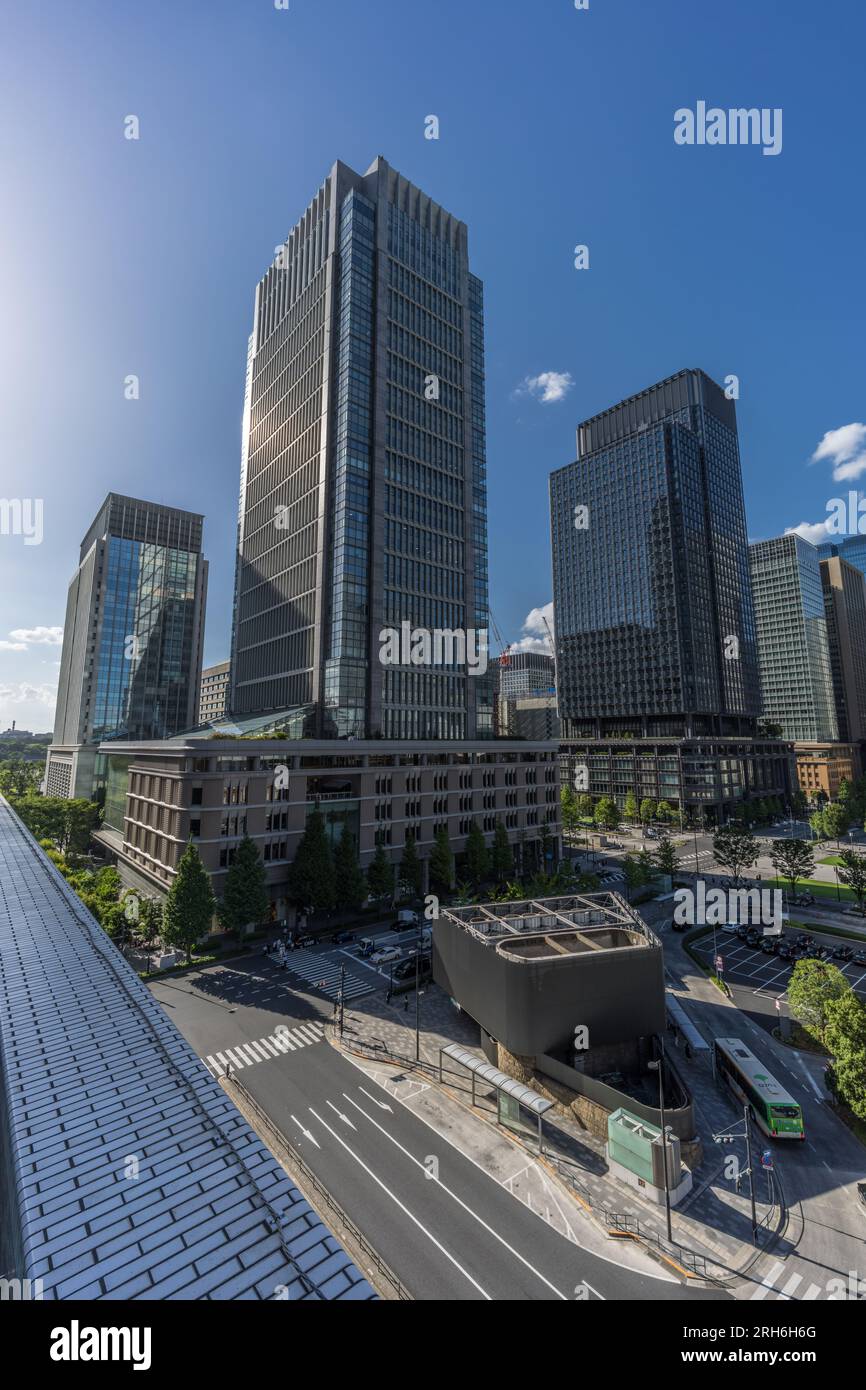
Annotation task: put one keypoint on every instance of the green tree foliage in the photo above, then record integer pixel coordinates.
(813, 985)
(665, 811)
(441, 863)
(411, 872)
(501, 857)
(852, 872)
(647, 810)
(630, 808)
(19, 778)
(735, 849)
(350, 879)
(586, 806)
(665, 856)
(311, 873)
(189, 905)
(476, 859)
(845, 1039)
(606, 814)
(69, 824)
(569, 808)
(380, 874)
(245, 900)
(792, 859)
(836, 821)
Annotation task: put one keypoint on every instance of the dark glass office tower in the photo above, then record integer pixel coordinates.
(132, 642)
(654, 619)
(363, 487)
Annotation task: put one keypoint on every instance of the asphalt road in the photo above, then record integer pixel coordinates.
(457, 1234)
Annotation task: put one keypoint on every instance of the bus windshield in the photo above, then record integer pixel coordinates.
(786, 1112)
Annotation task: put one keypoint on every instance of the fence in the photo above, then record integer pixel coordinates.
(324, 1195)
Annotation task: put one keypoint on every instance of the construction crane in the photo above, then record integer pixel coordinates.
(549, 636)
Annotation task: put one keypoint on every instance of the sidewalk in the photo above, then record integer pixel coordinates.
(713, 1222)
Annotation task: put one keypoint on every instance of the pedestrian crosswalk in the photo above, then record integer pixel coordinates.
(791, 1289)
(324, 972)
(278, 1044)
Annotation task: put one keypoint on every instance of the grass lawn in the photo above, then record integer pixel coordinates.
(814, 886)
(832, 859)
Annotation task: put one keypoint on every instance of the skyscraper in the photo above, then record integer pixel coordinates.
(363, 474)
(655, 628)
(132, 643)
(794, 652)
(845, 608)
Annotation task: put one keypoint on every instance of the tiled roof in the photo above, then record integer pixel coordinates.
(136, 1176)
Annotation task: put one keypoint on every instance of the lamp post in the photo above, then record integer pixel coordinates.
(658, 1066)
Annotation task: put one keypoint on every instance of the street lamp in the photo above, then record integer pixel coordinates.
(658, 1066)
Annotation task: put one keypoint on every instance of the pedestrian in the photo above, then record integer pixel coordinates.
(406, 1004)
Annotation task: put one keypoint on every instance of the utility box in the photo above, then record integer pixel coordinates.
(636, 1154)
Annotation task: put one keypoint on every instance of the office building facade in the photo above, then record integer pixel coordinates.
(130, 665)
(844, 588)
(213, 694)
(656, 652)
(363, 487)
(793, 647)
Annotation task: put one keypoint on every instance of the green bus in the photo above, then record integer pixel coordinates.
(775, 1112)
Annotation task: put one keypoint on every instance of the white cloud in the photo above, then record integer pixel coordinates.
(24, 694)
(816, 532)
(12, 646)
(547, 387)
(845, 448)
(37, 636)
(534, 637)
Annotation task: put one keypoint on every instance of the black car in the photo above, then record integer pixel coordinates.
(769, 945)
(742, 932)
(843, 953)
(406, 969)
(339, 937)
(860, 958)
(753, 938)
(785, 952)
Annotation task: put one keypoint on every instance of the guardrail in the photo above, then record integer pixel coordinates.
(324, 1195)
(615, 1221)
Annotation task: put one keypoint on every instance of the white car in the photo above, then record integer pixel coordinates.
(384, 956)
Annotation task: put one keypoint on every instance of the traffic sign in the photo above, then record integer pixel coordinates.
(767, 1159)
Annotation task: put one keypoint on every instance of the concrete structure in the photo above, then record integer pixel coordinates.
(127, 1172)
(131, 659)
(638, 1156)
(822, 767)
(793, 649)
(213, 790)
(844, 588)
(363, 471)
(213, 694)
(530, 716)
(656, 658)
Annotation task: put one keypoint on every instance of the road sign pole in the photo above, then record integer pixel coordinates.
(751, 1175)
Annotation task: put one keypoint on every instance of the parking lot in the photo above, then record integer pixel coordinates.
(758, 980)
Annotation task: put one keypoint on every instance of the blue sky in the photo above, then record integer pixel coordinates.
(557, 127)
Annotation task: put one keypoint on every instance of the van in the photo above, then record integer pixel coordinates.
(366, 946)
(406, 921)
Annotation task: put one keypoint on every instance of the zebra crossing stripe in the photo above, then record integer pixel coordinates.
(813, 1291)
(767, 1284)
(247, 1053)
(791, 1285)
(307, 1033)
(281, 1043)
(235, 1060)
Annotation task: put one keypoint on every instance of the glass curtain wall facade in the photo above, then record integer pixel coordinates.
(655, 628)
(367, 445)
(793, 646)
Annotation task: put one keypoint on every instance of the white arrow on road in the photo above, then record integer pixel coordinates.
(344, 1118)
(306, 1133)
(381, 1104)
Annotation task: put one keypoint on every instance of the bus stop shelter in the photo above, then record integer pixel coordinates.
(517, 1106)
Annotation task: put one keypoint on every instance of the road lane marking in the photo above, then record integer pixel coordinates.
(381, 1104)
(768, 1282)
(341, 1115)
(439, 1183)
(791, 1285)
(306, 1133)
(403, 1207)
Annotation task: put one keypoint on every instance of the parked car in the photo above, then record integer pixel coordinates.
(388, 953)
(843, 953)
(742, 932)
(860, 958)
(803, 899)
(769, 945)
(784, 951)
(753, 938)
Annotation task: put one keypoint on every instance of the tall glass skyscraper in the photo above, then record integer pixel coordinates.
(363, 491)
(655, 629)
(793, 645)
(132, 642)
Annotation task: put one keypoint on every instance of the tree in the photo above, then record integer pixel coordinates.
(311, 874)
(666, 857)
(664, 811)
(350, 882)
(501, 857)
(811, 988)
(411, 873)
(792, 859)
(441, 863)
(245, 899)
(380, 873)
(630, 808)
(735, 849)
(586, 806)
(816, 821)
(852, 872)
(647, 810)
(836, 821)
(476, 859)
(189, 904)
(606, 813)
(19, 778)
(845, 1039)
(570, 812)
